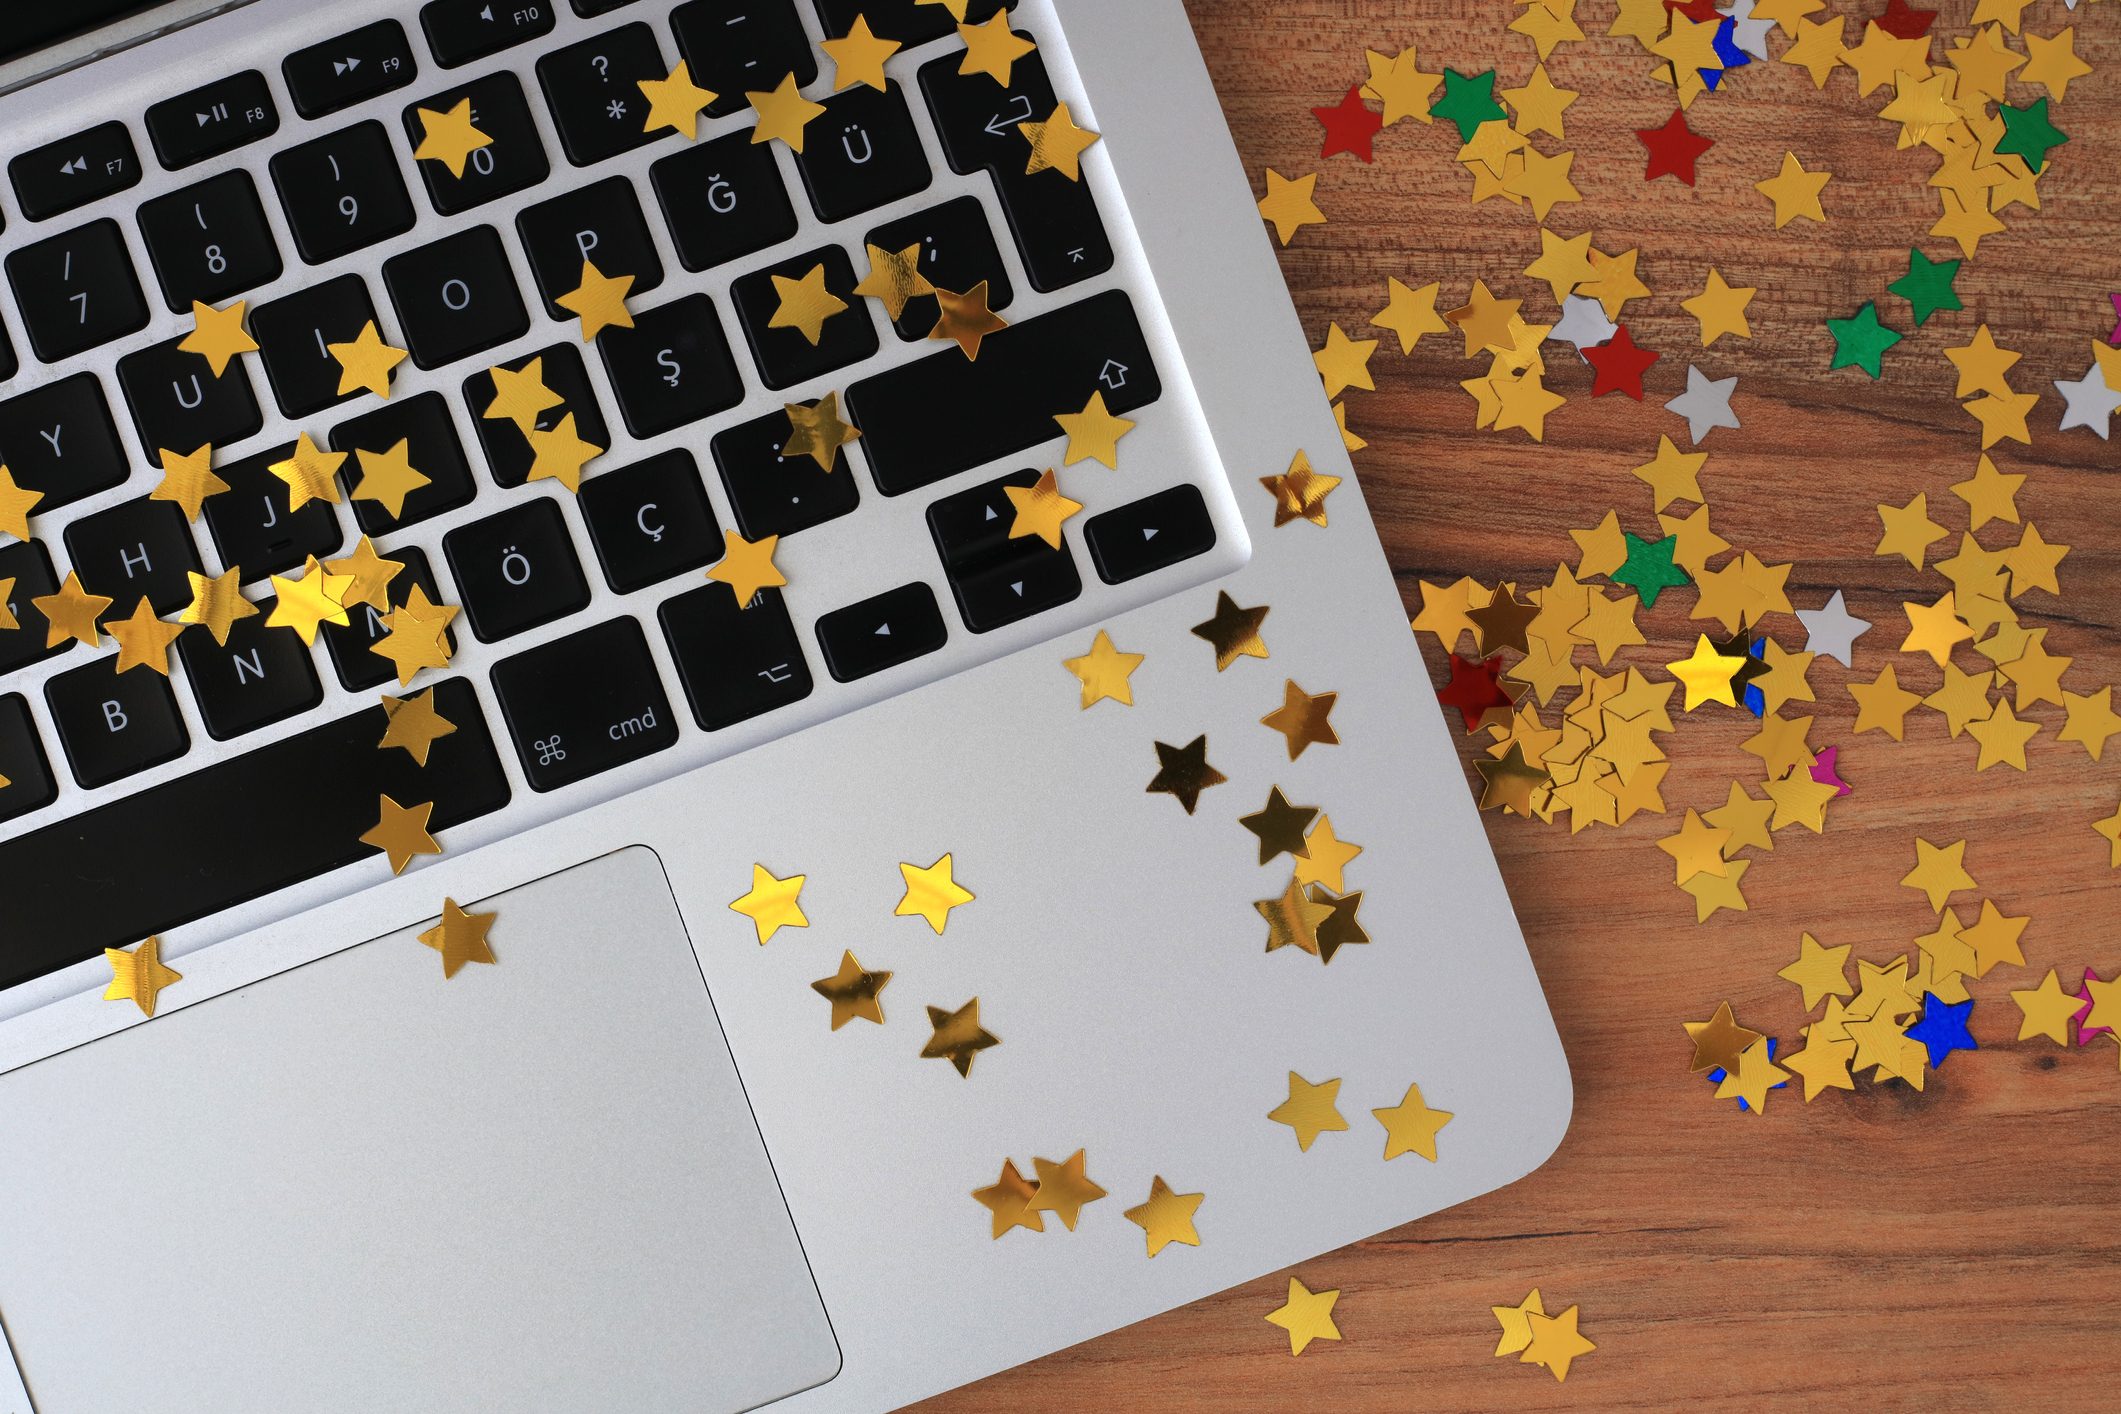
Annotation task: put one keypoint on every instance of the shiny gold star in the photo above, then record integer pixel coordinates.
(218, 335)
(965, 318)
(1516, 1330)
(1293, 919)
(859, 57)
(1719, 1041)
(1555, 1342)
(308, 601)
(992, 48)
(1093, 433)
(1934, 629)
(311, 473)
(138, 976)
(460, 937)
(931, 893)
(414, 725)
(1058, 144)
(1280, 826)
(388, 477)
(1819, 972)
(71, 612)
(371, 575)
(675, 102)
(818, 432)
(599, 301)
(559, 454)
(2047, 1010)
(894, 278)
(747, 566)
(1184, 772)
(1300, 493)
(1041, 509)
(805, 304)
(1307, 1316)
(1008, 1199)
(959, 1038)
(1105, 672)
(1233, 632)
(143, 639)
(1327, 856)
(416, 635)
(520, 396)
(1302, 719)
(1166, 1217)
(1290, 205)
(1341, 927)
(1310, 1110)
(1064, 1189)
(772, 903)
(1706, 675)
(854, 993)
(16, 502)
(216, 603)
(187, 480)
(1697, 849)
(1411, 1126)
(783, 113)
(401, 832)
(956, 8)
(449, 138)
(366, 362)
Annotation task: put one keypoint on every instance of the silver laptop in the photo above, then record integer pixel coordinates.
(819, 979)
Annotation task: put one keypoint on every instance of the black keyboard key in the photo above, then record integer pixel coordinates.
(352, 644)
(295, 334)
(775, 495)
(508, 451)
(135, 548)
(342, 192)
(957, 252)
(998, 580)
(209, 242)
(672, 367)
(584, 704)
(341, 72)
(1153, 533)
(1057, 229)
(460, 31)
(735, 47)
(328, 777)
(861, 153)
(8, 362)
(74, 171)
(884, 632)
(651, 520)
(113, 724)
(907, 21)
(589, 9)
(423, 424)
(734, 663)
(260, 676)
(76, 290)
(593, 92)
(59, 439)
(515, 159)
(455, 297)
(516, 570)
(29, 567)
(600, 223)
(1005, 400)
(785, 356)
(177, 403)
(252, 526)
(722, 200)
(212, 119)
(22, 765)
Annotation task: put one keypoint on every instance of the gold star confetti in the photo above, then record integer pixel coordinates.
(401, 832)
(1293, 919)
(1233, 631)
(854, 994)
(1720, 308)
(371, 575)
(1934, 629)
(1819, 972)
(388, 477)
(859, 57)
(1057, 144)
(1706, 674)
(1401, 85)
(992, 48)
(1009, 1200)
(1290, 204)
(416, 635)
(1041, 509)
(772, 903)
(1882, 704)
(1303, 719)
(1412, 313)
(520, 396)
(187, 480)
(818, 432)
(2003, 735)
(1994, 938)
(2047, 1010)
(783, 113)
(449, 138)
(1064, 1189)
(931, 893)
(1093, 433)
(308, 601)
(805, 304)
(460, 937)
(1696, 849)
(216, 603)
(1553, 1341)
(311, 473)
(1939, 872)
(959, 1038)
(1327, 858)
(1752, 1078)
(1823, 1064)
(1300, 493)
(1719, 1041)
(1307, 1316)
(143, 640)
(747, 566)
(2092, 720)
(1516, 1330)
(2109, 829)
(413, 724)
(599, 301)
(675, 102)
(965, 318)
(1310, 1110)
(1184, 772)
(1344, 362)
(558, 453)
(1672, 474)
(1280, 826)
(71, 612)
(1166, 1217)
(218, 335)
(956, 8)
(138, 976)
(16, 502)
(366, 362)
(894, 278)
(1105, 672)
(1794, 191)
(1411, 1126)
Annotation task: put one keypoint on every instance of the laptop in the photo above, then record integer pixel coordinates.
(806, 895)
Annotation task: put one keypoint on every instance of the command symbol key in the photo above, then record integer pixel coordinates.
(584, 704)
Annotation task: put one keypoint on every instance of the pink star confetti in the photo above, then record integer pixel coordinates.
(2085, 1034)
(1826, 772)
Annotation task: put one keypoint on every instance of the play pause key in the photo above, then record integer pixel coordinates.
(216, 118)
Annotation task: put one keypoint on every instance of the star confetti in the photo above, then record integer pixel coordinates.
(854, 993)
(1290, 204)
(414, 725)
(817, 431)
(675, 102)
(1350, 125)
(388, 477)
(965, 319)
(1860, 340)
(365, 362)
(1307, 1316)
(1166, 1217)
(216, 603)
(1105, 672)
(598, 301)
(449, 137)
(931, 893)
(139, 976)
(401, 832)
(782, 113)
(1041, 509)
(218, 335)
(460, 937)
(1310, 1110)
(1706, 404)
(992, 48)
(1057, 144)
(959, 1038)
(1094, 433)
(143, 640)
(1411, 1126)
(1303, 719)
(805, 304)
(1184, 772)
(747, 566)
(1672, 149)
(771, 903)
(1300, 492)
(1233, 631)
(1794, 191)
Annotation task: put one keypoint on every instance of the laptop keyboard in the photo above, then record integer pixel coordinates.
(607, 647)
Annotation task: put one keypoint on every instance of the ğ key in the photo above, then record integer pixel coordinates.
(59, 439)
(584, 704)
(178, 403)
(342, 193)
(209, 242)
(907, 21)
(1004, 401)
(295, 334)
(253, 527)
(734, 47)
(784, 356)
(734, 663)
(516, 570)
(772, 495)
(508, 452)
(423, 423)
(722, 200)
(29, 776)
(651, 521)
(352, 646)
(672, 367)
(328, 777)
(600, 223)
(345, 70)
(455, 297)
(133, 549)
(862, 152)
(593, 92)
(515, 159)
(1153, 533)
(459, 31)
(27, 564)
(212, 119)
(113, 724)
(883, 632)
(957, 252)
(998, 580)
(260, 676)
(76, 290)
(58, 177)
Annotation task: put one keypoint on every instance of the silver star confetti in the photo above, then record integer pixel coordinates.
(2090, 402)
(1706, 403)
(1831, 630)
(1583, 323)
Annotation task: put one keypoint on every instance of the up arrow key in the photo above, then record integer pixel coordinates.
(1113, 375)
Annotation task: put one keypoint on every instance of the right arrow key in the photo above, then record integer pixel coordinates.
(1153, 533)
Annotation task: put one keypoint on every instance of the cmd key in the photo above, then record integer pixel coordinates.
(59, 176)
(584, 704)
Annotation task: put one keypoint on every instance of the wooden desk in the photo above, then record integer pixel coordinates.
(1955, 1248)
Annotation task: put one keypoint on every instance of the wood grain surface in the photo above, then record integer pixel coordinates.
(1952, 1249)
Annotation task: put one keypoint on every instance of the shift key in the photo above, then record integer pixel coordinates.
(584, 704)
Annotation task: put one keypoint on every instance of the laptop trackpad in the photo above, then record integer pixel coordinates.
(358, 1187)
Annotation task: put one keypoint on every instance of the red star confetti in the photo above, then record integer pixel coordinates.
(1619, 365)
(1350, 125)
(1673, 149)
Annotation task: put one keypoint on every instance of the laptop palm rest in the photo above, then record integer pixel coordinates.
(535, 1186)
